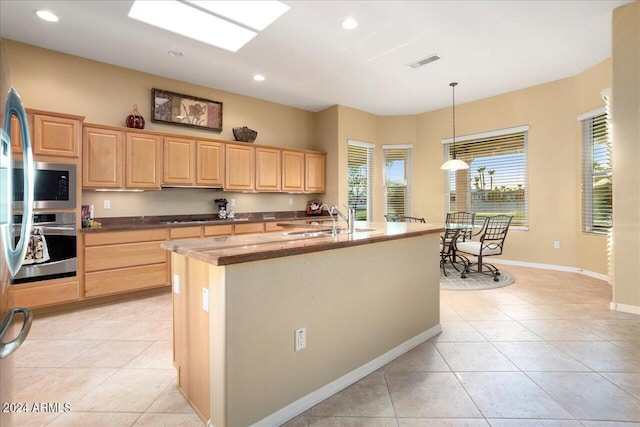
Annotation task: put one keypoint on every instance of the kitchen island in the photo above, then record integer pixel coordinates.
(362, 300)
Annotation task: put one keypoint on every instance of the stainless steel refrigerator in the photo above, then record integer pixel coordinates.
(15, 322)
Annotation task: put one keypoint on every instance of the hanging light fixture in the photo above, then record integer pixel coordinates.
(454, 164)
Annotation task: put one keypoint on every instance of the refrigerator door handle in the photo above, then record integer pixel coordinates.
(15, 257)
(7, 348)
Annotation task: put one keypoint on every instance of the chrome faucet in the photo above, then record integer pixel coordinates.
(331, 212)
(350, 217)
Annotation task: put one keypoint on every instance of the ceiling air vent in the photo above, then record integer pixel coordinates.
(425, 61)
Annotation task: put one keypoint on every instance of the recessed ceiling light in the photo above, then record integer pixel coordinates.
(176, 53)
(47, 16)
(254, 14)
(349, 23)
(188, 21)
(258, 77)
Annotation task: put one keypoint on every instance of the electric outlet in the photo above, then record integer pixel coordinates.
(205, 299)
(233, 203)
(290, 202)
(176, 284)
(107, 204)
(300, 339)
(556, 244)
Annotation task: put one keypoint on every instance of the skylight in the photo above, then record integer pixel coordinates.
(253, 14)
(188, 21)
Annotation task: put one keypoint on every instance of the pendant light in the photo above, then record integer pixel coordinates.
(454, 164)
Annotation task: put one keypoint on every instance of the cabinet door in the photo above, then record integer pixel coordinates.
(209, 163)
(179, 161)
(16, 136)
(143, 158)
(56, 136)
(315, 172)
(102, 158)
(240, 168)
(292, 171)
(268, 169)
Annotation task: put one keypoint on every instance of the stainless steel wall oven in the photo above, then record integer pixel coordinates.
(52, 247)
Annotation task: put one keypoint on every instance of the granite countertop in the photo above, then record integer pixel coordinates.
(253, 247)
(148, 222)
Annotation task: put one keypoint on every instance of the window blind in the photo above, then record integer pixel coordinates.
(496, 181)
(360, 178)
(597, 185)
(397, 180)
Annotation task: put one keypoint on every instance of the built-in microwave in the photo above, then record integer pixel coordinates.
(55, 186)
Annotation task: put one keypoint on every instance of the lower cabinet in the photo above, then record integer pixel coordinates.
(124, 261)
(45, 293)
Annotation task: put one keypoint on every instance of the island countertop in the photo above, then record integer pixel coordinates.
(253, 247)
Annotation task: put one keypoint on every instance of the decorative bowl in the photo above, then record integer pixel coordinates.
(244, 134)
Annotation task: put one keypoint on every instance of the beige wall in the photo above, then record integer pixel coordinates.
(626, 157)
(105, 94)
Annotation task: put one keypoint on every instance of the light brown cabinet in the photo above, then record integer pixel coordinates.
(115, 159)
(179, 161)
(143, 165)
(315, 172)
(56, 136)
(268, 169)
(16, 135)
(102, 158)
(123, 261)
(239, 168)
(210, 163)
(292, 171)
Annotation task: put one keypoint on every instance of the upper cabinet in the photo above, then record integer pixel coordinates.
(179, 161)
(102, 158)
(116, 159)
(240, 168)
(143, 166)
(210, 163)
(315, 172)
(268, 169)
(292, 171)
(52, 134)
(56, 136)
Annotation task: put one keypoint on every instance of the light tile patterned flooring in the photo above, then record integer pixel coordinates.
(545, 351)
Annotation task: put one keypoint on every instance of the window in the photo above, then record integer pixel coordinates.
(496, 181)
(360, 178)
(397, 179)
(597, 188)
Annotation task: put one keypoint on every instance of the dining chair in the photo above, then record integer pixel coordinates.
(490, 242)
(463, 221)
(403, 218)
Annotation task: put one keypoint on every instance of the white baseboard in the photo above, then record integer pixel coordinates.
(306, 402)
(593, 274)
(625, 308)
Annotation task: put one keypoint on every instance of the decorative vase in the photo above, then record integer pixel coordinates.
(244, 134)
(135, 119)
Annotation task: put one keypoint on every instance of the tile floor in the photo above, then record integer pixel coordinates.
(545, 351)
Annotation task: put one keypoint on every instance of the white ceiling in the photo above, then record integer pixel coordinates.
(310, 62)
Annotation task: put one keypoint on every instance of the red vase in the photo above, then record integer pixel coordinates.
(135, 119)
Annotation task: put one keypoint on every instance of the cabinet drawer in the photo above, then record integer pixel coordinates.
(185, 232)
(256, 227)
(272, 226)
(115, 237)
(124, 280)
(118, 256)
(218, 230)
(41, 296)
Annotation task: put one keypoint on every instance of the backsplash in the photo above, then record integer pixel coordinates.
(189, 201)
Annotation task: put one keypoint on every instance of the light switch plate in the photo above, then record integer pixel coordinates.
(205, 299)
(176, 284)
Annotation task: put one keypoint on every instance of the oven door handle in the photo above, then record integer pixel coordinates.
(53, 230)
(7, 348)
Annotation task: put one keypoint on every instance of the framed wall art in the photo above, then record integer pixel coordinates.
(185, 110)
